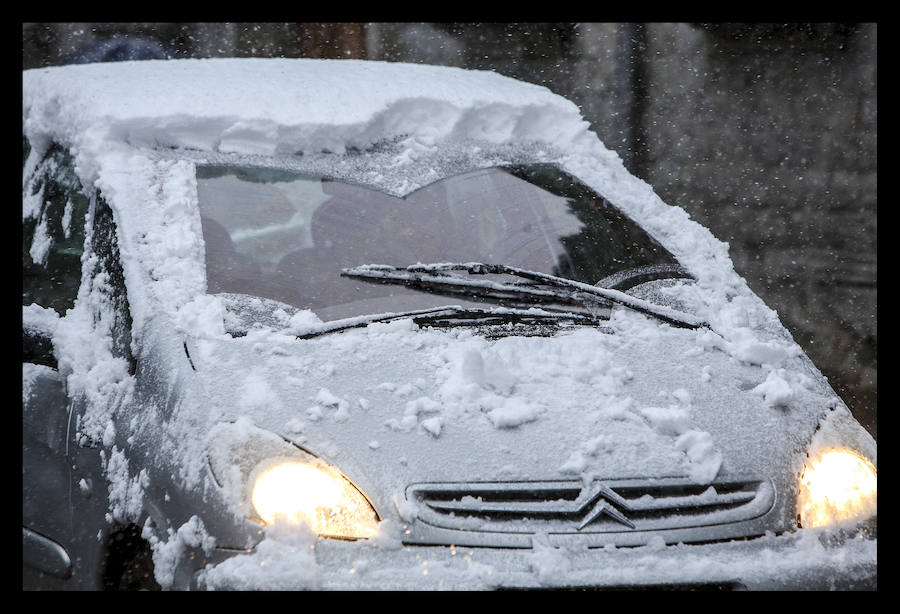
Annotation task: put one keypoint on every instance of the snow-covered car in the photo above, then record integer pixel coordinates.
(351, 325)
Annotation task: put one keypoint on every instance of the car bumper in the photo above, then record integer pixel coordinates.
(798, 561)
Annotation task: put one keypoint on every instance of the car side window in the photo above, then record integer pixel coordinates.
(54, 208)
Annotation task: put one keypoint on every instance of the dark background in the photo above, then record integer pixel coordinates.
(764, 133)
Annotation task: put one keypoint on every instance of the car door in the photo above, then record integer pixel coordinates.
(63, 498)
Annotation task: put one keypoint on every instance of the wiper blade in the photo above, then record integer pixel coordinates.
(449, 313)
(539, 287)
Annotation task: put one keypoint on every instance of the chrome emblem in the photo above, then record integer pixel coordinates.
(602, 498)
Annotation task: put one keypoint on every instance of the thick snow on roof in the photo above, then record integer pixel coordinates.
(283, 106)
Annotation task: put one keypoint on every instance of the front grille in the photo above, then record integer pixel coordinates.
(602, 512)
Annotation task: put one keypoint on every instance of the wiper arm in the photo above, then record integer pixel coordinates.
(540, 287)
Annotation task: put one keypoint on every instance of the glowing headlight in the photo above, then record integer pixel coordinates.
(316, 494)
(837, 487)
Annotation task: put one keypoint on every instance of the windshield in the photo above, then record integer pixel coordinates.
(287, 236)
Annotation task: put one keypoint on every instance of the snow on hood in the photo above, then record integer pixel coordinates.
(642, 401)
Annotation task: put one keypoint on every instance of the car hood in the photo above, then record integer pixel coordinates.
(392, 404)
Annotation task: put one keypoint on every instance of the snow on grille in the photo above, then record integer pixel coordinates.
(607, 507)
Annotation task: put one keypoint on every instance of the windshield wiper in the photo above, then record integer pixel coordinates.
(538, 287)
(452, 313)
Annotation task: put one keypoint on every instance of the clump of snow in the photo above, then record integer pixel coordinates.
(705, 460)
(549, 563)
(513, 413)
(302, 320)
(168, 553)
(775, 391)
(256, 393)
(67, 219)
(388, 537)
(433, 425)
(109, 435)
(276, 565)
(655, 543)
(42, 242)
(91, 369)
(745, 345)
(326, 399)
(285, 560)
(406, 508)
(674, 421)
(421, 405)
(32, 197)
(40, 319)
(125, 492)
(205, 315)
(670, 420)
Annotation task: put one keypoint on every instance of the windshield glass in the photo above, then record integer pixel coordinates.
(286, 236)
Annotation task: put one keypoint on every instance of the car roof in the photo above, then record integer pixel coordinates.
(283, 105)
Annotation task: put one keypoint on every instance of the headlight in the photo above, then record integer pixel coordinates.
(266, 477)
(837, 487)
(314, 493)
